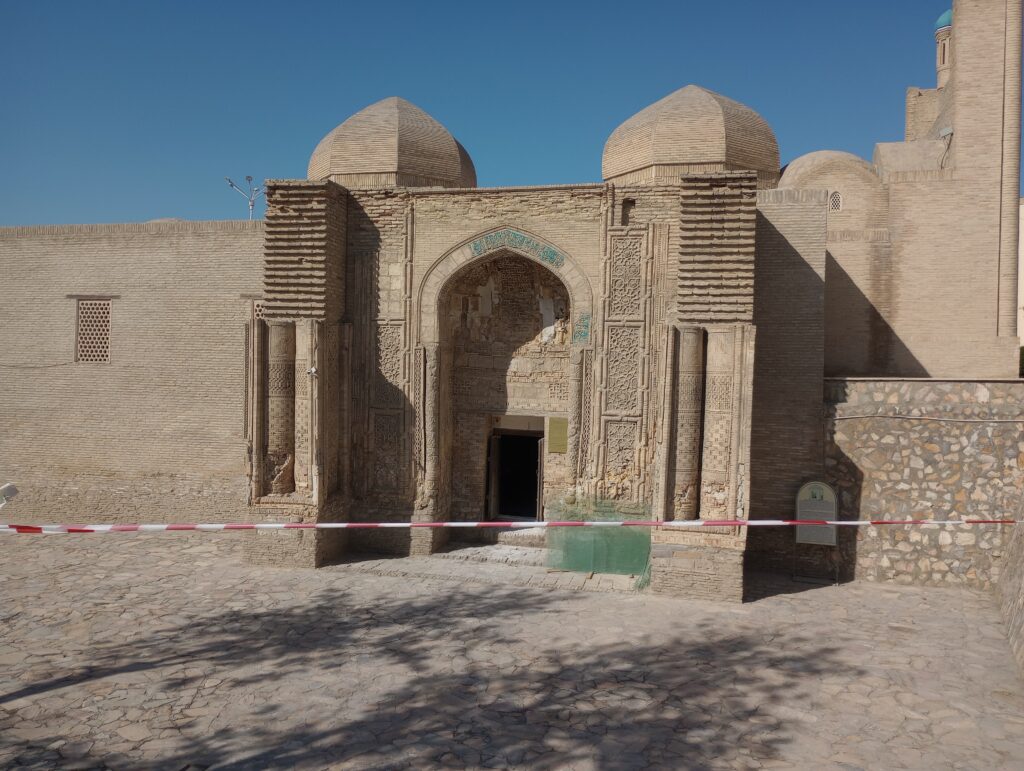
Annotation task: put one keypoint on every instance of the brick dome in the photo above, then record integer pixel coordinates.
(691, 129)
(392, 143)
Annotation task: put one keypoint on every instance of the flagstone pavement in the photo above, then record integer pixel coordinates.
(162, 651)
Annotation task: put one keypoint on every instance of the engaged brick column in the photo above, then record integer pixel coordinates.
(428, 540)
(280, 410)
(689, 406)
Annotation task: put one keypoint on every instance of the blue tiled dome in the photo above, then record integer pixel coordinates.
(945, 20)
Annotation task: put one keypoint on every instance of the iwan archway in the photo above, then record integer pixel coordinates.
(504, 339)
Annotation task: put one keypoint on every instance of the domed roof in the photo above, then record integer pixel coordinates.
(690, 127)
(392, 143)
(945, 20)
(807, 169)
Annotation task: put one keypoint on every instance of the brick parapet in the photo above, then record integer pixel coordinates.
(148, 228)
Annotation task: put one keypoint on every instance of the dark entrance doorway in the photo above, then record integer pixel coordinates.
(514, 475)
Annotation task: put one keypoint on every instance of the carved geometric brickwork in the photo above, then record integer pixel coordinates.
(689, 390)
(684, 456)
(620, 439)
(717, 430)
(586, 389)
(280, 418)
(281, 378)
(387, 387)
(623, 362)
(625, 298)
(719, 392)
(301, 424)
(387, 451)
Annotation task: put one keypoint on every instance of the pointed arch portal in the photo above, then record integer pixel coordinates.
(504, 326)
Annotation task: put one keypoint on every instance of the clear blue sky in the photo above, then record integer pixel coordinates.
(128, 111)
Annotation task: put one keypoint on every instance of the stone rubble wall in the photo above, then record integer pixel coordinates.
(926, 449)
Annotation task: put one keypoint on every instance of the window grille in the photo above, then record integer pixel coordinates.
(93, 331)
(835, 201)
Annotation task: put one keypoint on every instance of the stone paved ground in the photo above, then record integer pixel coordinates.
(160, 651)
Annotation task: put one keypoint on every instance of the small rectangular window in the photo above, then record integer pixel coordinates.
(92, 334)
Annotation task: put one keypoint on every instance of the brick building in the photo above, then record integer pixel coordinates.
(395, 343)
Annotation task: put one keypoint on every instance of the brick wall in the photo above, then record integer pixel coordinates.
(922, 277)
(789, 317)
(158, 432)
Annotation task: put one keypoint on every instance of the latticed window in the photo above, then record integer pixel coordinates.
(92, 341)
(835, 201)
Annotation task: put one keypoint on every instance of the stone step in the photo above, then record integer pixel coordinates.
(535, 537)
(498, 553)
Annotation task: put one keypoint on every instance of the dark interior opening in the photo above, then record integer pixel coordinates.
(517, 475)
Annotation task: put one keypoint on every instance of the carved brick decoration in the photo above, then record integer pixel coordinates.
(586, 417)
(620, 444)
(725, 430)
(521, 242)
(719, 392)
(280, 408)
(623, 369)
(302, 437)
(387, 389)
(715, 273)
(281, 378)
(581, 329)
(332, 406)
(303, 268)
(625, 299)
(387, 450)
(689, 405)
(717, 444)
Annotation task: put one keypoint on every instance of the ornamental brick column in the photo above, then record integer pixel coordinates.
(280, 408)
(689, 404)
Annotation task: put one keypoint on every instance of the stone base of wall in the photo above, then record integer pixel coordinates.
(425, 541)
(392, 542)
(775, 550)
(293, 548)
(697, 572)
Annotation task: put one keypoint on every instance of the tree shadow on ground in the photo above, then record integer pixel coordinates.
(448, 693)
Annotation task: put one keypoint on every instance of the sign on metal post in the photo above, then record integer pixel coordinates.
(816, 500)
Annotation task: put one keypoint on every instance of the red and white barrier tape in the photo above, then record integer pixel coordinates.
(685, 523)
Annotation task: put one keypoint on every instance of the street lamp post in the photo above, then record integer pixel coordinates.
(251, 196)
